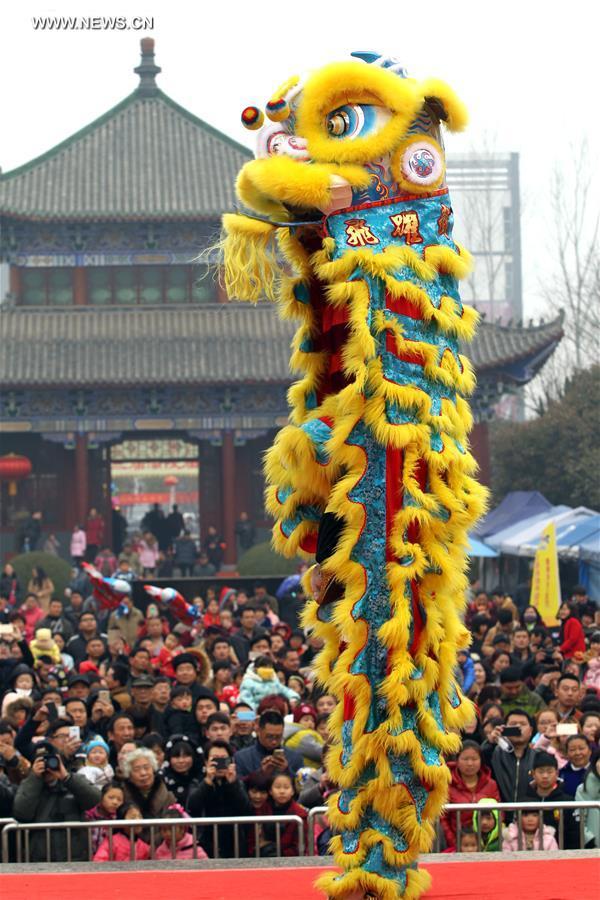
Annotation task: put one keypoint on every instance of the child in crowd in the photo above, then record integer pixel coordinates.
(281, 802)
(112, 798)
(490, 827)
(178, 716)
(261, 681)
(122, 839)
(97, 769)
(530, 834)
(177, 842)
(212, 616)
(468, 841)
(257, 786)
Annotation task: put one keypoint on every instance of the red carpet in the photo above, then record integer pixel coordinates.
(569, 879)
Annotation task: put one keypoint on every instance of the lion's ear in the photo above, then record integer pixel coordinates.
(444, 104)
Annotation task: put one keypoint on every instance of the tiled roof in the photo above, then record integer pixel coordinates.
(226, 343)
(502, 345)
(147, 158)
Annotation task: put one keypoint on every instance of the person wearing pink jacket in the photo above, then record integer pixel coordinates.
(530, 834)
(78, 544)
(121, 850)
(178, 833)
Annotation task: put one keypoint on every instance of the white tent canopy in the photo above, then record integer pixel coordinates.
(522, 539)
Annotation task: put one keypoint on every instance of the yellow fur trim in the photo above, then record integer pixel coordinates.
(265, 185)
(353, 82)
(455, 110)
(284, 89)
(249, 258)
(336, 888)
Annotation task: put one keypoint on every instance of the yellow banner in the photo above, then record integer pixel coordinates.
(545, 586)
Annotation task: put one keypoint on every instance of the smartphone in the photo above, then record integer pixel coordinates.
(75, 732)
(104, 696)
(512, 731)
(565, 728)
(6, 630)
(246, 715)
(61, 711)
(52, 711)
(279, 753)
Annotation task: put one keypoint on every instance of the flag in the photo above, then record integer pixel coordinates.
(545, 586)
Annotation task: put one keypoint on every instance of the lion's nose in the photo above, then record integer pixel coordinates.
(282, 144)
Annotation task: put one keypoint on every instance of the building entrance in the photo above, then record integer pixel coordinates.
(162, 471)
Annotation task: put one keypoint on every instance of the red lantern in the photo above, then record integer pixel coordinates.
(171, 480)
(12, 469)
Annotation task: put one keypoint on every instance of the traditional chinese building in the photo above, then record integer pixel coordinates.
(124, 376)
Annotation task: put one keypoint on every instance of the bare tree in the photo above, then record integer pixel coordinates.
(574, 283)
(481, 206)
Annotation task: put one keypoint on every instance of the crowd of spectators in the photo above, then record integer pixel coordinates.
(133, 715)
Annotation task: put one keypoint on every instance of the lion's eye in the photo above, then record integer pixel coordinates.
(338, 124)
(356, 120)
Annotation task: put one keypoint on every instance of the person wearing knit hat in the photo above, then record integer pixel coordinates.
(301, 735)
(305, 714)
(97, 769)
(44, 645)
(191, 669)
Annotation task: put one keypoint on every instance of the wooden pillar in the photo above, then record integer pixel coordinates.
(79, 286)
(14, 281)
(81, 479)
(228, 495)
(480, 447)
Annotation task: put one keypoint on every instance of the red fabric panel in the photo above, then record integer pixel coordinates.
(408, 356)
(403, 306)
(349, 707)
(393, 492)
(309, 542)
(491, 878)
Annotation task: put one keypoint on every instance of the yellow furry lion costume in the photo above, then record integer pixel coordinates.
(348, 225)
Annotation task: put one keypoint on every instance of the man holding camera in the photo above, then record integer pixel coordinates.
(508, 753)
(267, 753)
(51, 794)
(221, 793)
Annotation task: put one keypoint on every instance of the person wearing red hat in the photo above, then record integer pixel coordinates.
(305, 714)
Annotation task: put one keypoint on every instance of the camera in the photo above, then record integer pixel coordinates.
(221, 763)
(52, 762)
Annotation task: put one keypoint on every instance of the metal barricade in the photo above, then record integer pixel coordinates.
(457, 808)
(23, 830)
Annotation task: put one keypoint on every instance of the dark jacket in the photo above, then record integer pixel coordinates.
(154, 803)
(572, 778)
(552, 816)
(289, 836)
(58, 625)
(10, 587)
(8, 666)
(249, 760)
(64, 801)
(217, 801)
(185, 551)
(511, 774)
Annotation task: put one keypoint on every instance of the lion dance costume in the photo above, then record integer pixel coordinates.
(349, 227)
